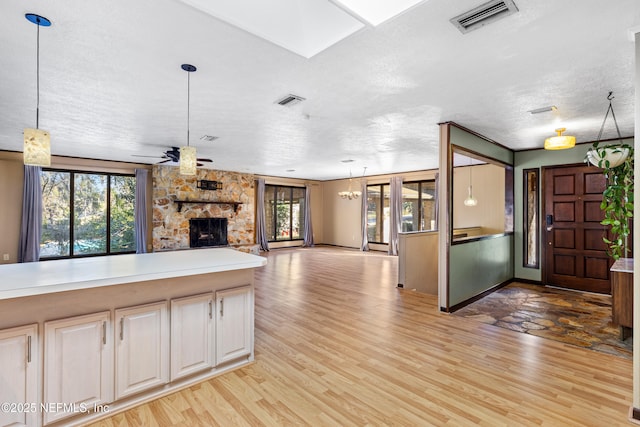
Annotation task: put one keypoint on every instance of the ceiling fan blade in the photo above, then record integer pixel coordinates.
(205, 160)
(164, 161)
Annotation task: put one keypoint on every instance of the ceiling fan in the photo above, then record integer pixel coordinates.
(173, 155)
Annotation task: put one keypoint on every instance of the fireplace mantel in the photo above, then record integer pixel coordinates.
(211, 202)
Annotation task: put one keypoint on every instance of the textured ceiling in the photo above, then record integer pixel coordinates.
(111, 86)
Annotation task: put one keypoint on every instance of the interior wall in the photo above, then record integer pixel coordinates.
(490, 261)
(487, 182)
(537, 159)
(11, 179)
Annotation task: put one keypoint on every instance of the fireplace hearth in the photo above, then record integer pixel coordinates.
(207, 232)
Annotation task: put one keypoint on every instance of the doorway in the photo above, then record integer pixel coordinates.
(575, 254)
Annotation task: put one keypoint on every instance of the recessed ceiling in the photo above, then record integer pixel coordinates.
(375, 12)
(304, 28)
(111, 86)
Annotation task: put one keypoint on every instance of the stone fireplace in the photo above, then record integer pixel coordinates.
(177, 200)
(207, 232)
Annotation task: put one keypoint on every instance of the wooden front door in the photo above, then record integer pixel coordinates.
(575, 255)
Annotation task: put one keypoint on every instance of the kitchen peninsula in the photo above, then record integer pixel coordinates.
(85, 338)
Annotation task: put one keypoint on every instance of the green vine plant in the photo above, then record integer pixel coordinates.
(617, 198)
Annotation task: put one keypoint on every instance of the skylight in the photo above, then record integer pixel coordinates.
(375, 12)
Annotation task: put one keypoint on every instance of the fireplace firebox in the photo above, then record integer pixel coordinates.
(206, 232)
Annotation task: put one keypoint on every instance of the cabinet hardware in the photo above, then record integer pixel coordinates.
(104, 333)
(29, 349)
(210, 309)
(121, 328)
(221, 307)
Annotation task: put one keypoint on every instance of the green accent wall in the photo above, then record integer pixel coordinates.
(478, 266)
(536, 159)
(471, 142)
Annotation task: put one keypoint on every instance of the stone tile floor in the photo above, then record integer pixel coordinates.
(577, 318)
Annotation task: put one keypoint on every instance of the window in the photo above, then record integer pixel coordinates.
(85, 213)
(284, 212)
(531, 233)
(378, 213)
(419, 206)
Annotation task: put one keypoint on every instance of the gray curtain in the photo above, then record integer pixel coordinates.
(261, 226)
(308, 229)
(395, 217)
(363, 218)
(140, 210)
(31, 225)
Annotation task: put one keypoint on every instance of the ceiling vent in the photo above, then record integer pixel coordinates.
(484, 14)
(208, 138)
(290, 100)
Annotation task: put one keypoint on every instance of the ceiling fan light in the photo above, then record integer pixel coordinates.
(188, 160)
(37, 147)
(560, 142)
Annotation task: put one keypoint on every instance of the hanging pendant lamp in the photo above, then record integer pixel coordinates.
(37, 142)
(560, 141)
(470, 200)
(188, 160)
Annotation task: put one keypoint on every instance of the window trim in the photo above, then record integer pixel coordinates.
(72, 173)
(380, 213)
(275, 211)
(420, 211)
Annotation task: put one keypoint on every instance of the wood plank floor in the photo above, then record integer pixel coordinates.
(337, 344)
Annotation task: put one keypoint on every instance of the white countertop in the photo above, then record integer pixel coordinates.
(38, 278)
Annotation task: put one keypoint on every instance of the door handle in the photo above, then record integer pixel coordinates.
(549, 222)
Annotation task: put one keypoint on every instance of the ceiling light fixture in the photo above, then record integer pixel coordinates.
(37, 142)
(544, 109)
(375, 12)
(560, 141)
(350, 194)
(187, 153)
(470, 200)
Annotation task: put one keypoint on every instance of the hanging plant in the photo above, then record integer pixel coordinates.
(616, 161)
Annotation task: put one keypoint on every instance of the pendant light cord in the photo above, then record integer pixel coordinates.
(38, 74)
(188, 103)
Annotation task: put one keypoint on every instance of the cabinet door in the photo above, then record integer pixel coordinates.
(142, 348)
(234, 323)
(19, 375)
(78, 364)
(191, 335)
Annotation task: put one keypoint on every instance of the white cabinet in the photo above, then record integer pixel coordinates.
(142, 348)
(191, 335)
(78, 364)
(19, 376)
(234, 324)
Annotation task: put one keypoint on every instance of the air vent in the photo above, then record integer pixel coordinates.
(208, 138)
(483, 15)
(290, 100)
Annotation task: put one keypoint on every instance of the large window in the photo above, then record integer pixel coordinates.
(85, 213)
(419, 206)
(378, 213)
(284, 212)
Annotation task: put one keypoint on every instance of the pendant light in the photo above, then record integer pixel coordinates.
(188, 153)
(560, 141)
(470, 200)
(37, 142)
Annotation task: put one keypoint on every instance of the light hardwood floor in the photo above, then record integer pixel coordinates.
(338, 344)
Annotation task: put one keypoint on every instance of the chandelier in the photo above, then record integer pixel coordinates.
(350, 194)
